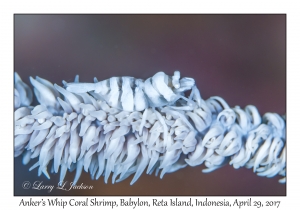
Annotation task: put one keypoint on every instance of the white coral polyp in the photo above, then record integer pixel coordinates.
(123, 126)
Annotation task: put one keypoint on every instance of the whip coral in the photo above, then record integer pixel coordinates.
(124, 126)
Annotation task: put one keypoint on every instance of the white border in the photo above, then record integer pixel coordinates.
(8, 8)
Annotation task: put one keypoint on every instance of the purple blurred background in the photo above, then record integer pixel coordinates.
(241, 58)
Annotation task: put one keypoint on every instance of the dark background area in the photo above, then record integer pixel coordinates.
(241, 58)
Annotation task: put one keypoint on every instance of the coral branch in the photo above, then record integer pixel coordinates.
(125, 126)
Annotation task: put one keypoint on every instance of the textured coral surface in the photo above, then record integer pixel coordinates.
(124, 126)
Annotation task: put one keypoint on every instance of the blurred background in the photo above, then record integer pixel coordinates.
(241, 58)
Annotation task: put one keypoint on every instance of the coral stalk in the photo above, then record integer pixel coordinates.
(123, 126)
